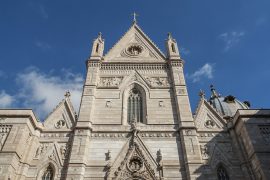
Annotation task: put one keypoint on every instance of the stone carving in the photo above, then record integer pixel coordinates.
(205, 151)
(161, 104)
(209, 124)
(157, 81)
(42, 148)
(134, 50)
(110, 81)
(4, 131)
(60, 124)
(159, 157)
(108, 104)
(135, 164)
(63, 151)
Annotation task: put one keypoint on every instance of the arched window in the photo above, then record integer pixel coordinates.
(97, 48)
(135, 106)
(173, 48)
(48, 174)
(222, 173)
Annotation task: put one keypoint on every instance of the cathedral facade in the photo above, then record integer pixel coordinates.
(135, 122)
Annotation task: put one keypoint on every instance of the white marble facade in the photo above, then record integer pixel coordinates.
(135, 122)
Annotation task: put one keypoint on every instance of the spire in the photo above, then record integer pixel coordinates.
(169, 36)
(172, 48)
(134, 17)
(98, 47)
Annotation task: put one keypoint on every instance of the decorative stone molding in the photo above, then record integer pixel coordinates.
(158, 82)
(60, 124)
(133, 50)
(142, 134)
(111, 82)
(56, 135)
(4, 131)
(137, 66)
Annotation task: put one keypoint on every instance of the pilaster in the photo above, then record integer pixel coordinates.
(187, 129)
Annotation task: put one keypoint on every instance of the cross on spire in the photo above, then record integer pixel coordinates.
(134, 17)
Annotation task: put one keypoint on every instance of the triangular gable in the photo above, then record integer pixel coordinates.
(134, 38)
(62, 117)
(134, 161)
(207, 119)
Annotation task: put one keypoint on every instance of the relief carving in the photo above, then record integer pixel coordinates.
(209, 124)
(60, 124)
(110, 81)
(158, 81)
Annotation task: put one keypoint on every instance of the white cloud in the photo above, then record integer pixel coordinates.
(44, 14)
(6, 100)
(231, 38)
(184, 51)
(43, 92)
(206, 71)
(43, 45)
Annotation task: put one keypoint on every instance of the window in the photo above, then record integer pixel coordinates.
(135, 108)
(97, 48)
(173, 48)
(48, 174)
(222, 173)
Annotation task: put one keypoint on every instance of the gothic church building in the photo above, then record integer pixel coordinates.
(135, 123)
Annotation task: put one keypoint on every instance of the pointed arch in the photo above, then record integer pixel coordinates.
(134, 104)
(222, 173)
(47, 172)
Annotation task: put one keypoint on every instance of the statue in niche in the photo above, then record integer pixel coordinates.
(205, 151)
(63, 151)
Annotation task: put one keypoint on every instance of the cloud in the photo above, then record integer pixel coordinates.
(44, 14)
(184, 51)
(43, 92)
(43, 45)
(206, 71)
(6, 100)
(231, 38)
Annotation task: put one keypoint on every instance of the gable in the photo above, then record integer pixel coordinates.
(134, 46)
(207, 119)
(62, 117)
(133, 161)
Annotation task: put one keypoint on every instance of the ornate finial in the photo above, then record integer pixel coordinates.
(169, 35)
(213, 90)
(201, 93)
(134, 17)
(100, 35)
(67, 94)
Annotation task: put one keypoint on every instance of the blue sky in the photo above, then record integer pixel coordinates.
(44, 45)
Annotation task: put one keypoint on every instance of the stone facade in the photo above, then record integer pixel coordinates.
(151, 134)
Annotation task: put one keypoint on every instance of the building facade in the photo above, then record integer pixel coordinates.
(135, 122)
